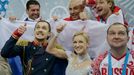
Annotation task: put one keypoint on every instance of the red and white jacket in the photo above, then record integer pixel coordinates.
(116, 16)
(100, 64)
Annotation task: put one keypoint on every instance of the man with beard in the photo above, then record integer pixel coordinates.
(35, 60)
(119, 60)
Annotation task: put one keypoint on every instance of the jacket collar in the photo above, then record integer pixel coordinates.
(37, 43)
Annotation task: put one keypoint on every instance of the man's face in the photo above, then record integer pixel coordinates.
(41, 31)
(103, 8)
(33, 11)
(117, 36)
(75, 10)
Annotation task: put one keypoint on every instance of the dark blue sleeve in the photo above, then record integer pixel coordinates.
(10, 48)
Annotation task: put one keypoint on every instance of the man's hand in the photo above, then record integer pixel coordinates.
(12, 18)
(22, 29)
(18, 32)
(55, 18)
(60, 28)
(83, 16)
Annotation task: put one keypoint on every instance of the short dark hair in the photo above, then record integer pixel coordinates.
(117, 23)
(45, 22)
(32, 2)
(113, 4)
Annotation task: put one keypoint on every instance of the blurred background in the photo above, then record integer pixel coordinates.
(57, 8)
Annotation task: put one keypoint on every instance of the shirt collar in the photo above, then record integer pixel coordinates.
(29, 19)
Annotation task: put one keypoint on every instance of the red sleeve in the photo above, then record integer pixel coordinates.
(91, 2)
(116, 9)
(16, 34)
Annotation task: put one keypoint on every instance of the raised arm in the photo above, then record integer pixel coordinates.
(52, 49)
(10, 48)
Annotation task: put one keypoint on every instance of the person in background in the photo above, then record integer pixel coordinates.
(119, 59)
(104, 9)
(32, 10)
(4, 67)
(76, 8)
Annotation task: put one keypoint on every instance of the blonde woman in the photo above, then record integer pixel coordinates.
(79, 62)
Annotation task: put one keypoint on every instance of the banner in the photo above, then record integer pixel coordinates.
(7, 28)
(97, 32)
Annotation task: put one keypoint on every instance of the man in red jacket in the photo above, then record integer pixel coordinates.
(76, 9)
(105, 9)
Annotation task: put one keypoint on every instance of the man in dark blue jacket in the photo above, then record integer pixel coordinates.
(36, 61)
(33, 14)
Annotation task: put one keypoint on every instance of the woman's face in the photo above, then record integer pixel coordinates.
(80, 44)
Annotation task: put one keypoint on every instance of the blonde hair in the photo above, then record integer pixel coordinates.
(83, 34)
(87, 40)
